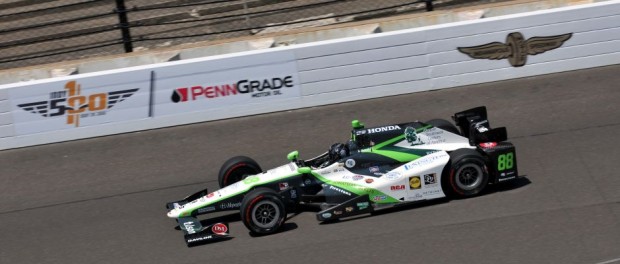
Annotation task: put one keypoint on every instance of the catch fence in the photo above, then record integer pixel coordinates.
(45, 31)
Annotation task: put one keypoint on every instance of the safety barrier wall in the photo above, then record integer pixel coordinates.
(425, 59)
(335, 71)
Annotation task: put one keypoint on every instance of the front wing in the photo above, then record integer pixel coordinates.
(196, 234)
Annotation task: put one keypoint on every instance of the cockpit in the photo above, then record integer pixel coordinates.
(356, 154)
(336, 152)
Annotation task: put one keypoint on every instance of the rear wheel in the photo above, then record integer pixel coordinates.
(467, 175)
(444, 124)
(262, 211)
(236, 169)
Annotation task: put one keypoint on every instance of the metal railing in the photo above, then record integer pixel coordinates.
(44, 31)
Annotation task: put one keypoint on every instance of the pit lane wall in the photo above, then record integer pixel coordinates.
(399, 62)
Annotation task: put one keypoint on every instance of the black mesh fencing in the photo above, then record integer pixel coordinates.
(35, 32)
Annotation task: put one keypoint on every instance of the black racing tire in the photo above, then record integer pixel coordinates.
(262, 211)
(466, 175)
(443, 124)
(236, 169)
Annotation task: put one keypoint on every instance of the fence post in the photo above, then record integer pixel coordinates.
(124, 25)
(429, 5)
(245, 11)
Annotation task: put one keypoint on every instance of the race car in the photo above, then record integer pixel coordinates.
(377, 168)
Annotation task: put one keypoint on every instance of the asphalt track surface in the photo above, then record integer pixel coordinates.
(102, 200)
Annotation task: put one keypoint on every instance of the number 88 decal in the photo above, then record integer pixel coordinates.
(505, 161)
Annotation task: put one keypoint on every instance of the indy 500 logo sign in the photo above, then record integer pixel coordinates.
(73, 104)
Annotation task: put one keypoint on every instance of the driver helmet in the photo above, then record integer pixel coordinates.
(338, 151)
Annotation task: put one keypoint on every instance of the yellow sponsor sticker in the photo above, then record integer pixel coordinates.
(414, 183)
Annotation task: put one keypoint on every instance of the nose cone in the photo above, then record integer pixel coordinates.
(174, 213)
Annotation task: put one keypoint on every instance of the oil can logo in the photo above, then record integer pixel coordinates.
(255, 88)
(219, 229)
(71, 103)
(516, 48)
(414, 183)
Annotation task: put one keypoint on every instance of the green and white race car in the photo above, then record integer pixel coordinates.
(378, 168)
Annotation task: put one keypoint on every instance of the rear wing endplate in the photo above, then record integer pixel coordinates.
(475, 125)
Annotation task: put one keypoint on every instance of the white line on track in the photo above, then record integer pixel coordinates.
(609, 261)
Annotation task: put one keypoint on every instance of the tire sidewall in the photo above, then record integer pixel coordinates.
(460, 160)
(232, 170)
(254, 199)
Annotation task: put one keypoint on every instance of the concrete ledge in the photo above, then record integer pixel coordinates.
(327, 34)
(239, 46)
(13, 76)
(129, 61)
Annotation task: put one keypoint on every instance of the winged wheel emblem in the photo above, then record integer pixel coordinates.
(516, 49)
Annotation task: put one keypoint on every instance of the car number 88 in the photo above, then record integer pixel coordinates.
(505, 161)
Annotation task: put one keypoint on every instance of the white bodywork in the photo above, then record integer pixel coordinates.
(417, 180)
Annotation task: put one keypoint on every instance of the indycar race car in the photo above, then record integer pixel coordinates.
(377, 168)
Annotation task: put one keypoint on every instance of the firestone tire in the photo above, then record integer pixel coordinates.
(236, 169)
(262, 211)
(443, 124)
(467, 175)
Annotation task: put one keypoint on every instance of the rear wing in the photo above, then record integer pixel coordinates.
(475, 125)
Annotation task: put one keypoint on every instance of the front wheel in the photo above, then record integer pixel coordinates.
(236, 169)
(467, 175)
(262, 211)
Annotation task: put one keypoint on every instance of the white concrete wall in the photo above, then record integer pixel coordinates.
(336, 71)
(427, 58)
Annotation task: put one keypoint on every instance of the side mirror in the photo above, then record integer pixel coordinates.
(304, 170)
(356, 124)
(293, 156)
